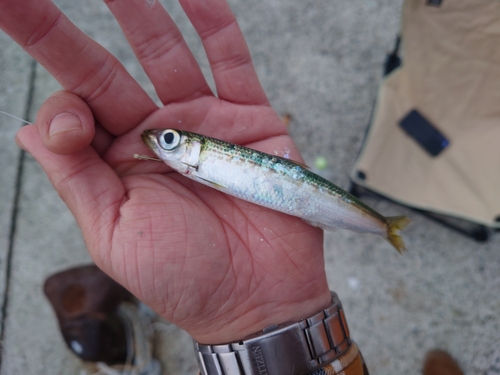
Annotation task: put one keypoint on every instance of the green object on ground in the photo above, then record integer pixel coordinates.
(321, 162)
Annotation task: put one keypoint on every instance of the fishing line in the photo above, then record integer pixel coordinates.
(17, 118)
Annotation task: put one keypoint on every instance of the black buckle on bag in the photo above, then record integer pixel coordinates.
(434, 3)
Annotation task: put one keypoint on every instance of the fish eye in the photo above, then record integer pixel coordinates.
(170, 139)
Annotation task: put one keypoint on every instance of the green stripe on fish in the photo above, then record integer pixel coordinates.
(270, 181)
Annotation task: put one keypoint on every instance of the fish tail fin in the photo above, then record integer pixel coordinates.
(394, 225)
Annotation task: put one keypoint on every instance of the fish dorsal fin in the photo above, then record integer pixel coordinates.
(301, 164)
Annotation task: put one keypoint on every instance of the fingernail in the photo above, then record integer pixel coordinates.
(64, 122)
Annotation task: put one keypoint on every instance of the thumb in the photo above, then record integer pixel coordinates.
(65, 123)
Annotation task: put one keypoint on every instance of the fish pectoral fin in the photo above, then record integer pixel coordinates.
(321, 226)
(195, 167)
(216, 185)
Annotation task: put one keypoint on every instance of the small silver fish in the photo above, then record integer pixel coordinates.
(270, 181)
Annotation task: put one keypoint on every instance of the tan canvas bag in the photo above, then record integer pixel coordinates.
(451, 75)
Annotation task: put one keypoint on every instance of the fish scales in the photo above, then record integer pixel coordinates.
(270, 181)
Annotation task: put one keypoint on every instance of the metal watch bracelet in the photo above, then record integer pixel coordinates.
(285, 349)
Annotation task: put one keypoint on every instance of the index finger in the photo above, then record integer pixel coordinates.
(77, 62)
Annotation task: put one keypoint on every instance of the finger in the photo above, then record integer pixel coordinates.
(89, 187)
(161, 50)
(227, 51)
(102, 140)
(65, 123)
(258, 128)
(81, 65)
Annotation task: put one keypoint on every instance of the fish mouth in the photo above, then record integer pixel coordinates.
(149, 137)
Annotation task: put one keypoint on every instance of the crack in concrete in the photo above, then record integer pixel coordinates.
(15, 210)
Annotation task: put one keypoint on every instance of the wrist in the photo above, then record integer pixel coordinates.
(295, 348)
(237, 325)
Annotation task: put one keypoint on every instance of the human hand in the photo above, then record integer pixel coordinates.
(218, 267)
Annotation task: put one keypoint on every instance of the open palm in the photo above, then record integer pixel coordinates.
(219, 267)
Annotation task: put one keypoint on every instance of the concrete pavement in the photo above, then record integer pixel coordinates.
(321, 62)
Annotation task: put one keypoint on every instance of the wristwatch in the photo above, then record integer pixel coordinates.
(285, 349)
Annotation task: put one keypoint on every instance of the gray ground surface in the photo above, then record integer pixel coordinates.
(321, 62)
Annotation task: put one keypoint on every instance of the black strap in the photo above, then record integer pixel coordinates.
(434, 3)
(392, 61)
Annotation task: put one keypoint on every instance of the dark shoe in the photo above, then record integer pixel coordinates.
(85, 301)
(439, 362)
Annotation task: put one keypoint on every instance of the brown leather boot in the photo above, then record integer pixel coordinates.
(85, 301)
(439, 362)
